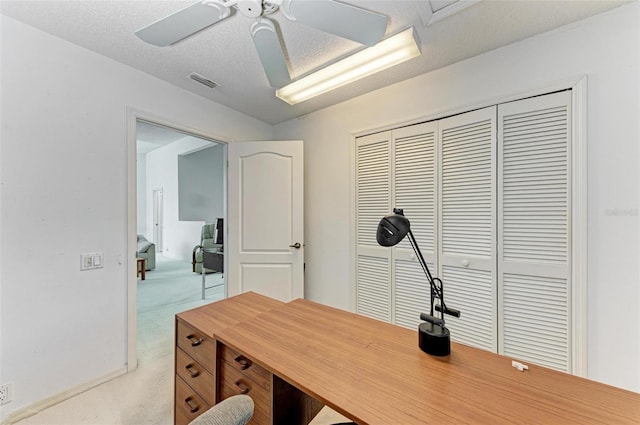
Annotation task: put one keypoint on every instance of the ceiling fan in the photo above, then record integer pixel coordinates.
(341, 19)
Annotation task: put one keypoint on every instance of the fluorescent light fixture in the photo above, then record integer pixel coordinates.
(387, 53)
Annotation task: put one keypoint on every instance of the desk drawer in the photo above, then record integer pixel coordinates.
(261, 399)
(189, 405)
(233, 381)
(197, 345)
(195, 376)
(246, 367)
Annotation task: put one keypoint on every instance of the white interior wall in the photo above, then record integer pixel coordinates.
(64, 192)
(179, 237)
(605, 48)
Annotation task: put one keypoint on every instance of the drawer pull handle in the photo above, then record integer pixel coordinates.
(242, 362)
(191, 404)
(242, 387)
(195, 341)
(192, 371)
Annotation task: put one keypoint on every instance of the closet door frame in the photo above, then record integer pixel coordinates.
(579, 228)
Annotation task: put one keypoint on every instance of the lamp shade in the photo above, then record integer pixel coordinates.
(392, 229)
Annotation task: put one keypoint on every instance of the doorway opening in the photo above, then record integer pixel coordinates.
(161, 191)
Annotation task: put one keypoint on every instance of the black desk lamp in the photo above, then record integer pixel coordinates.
(433, 336)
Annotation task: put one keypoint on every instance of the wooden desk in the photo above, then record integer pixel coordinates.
(374, 373)
(197, 353)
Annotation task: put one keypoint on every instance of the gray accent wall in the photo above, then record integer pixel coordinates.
(200, 184)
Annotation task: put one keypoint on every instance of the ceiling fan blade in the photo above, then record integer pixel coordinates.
(344, 20)
(184, 23)
(267, 42)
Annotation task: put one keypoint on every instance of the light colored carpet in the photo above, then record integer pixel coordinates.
(144, 396)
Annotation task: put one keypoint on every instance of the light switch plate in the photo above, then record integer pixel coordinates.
(91, 260)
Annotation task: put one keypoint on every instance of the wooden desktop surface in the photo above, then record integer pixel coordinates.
(228, 312)
(374, 373)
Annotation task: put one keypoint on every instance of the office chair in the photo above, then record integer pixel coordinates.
(235, 410)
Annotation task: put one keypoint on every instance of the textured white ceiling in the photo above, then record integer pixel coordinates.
(225, 54)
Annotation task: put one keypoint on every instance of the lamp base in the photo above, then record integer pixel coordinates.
(434, 339)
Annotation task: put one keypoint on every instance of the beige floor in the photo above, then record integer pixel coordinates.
(328, 416)
(145, 396)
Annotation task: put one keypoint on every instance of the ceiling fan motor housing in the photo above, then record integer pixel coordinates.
(250, 8)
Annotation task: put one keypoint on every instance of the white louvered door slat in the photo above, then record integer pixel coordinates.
(373, 195)
(415, 192)
(533, 230)
(374, 290)
(467, 207)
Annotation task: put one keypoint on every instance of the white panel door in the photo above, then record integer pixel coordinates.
(265, 246)
(468, 225)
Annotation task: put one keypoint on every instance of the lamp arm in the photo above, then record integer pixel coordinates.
(416, 249)
(435, 291)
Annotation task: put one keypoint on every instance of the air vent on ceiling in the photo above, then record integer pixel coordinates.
(203, 80)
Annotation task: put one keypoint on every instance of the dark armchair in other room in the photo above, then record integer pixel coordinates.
(210, 241)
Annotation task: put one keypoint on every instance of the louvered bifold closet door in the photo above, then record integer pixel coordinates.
(373, 201)
(533, 233)
(415, 192)
(468, 225)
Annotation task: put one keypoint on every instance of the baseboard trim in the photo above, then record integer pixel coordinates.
(41, 405)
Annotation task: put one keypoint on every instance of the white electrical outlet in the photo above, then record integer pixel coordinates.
(5, 393)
